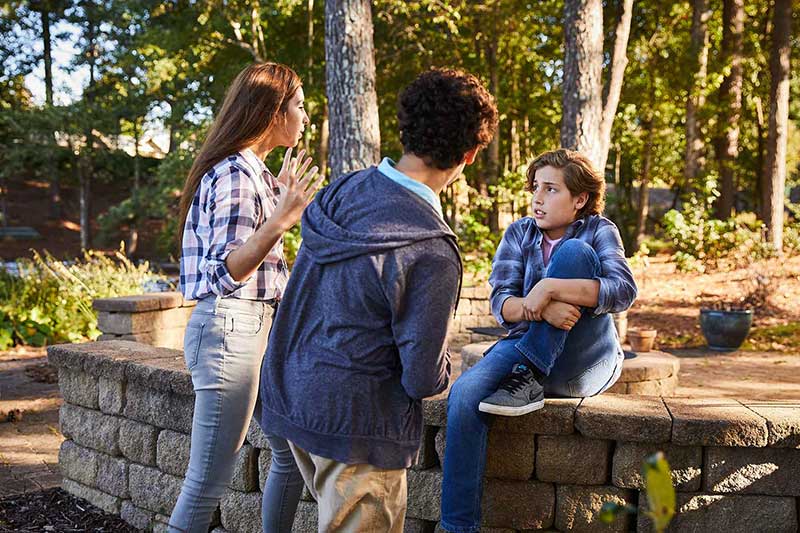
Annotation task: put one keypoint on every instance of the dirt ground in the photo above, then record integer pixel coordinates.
(670, 301)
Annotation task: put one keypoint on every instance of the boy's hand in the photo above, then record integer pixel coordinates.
(561, 314)
(536, 301)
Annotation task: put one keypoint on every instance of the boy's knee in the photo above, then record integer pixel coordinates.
(463, 397)
(574, 258)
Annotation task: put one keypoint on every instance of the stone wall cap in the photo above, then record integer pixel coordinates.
(715, 422)
(624, 417)
(783, 421)
(139, 303)
(108, 359)
(649, 366)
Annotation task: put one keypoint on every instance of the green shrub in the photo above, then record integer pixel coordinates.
(703, 243)
(49, 301)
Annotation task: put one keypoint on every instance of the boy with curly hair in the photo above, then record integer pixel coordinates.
(556, 277)
(359, 337)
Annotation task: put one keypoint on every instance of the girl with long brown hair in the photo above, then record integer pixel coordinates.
(234, 213)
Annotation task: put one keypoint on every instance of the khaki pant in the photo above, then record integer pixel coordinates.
(357, 498)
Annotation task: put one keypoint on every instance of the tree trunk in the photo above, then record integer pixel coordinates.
(583, 69)
(643, 206)
(730, 96)
(50, 164)
(774, 173)
(88, 155)
(493, 151)
(693, 160)
(324, 137)
(587, 120)
(350, 77)
(133, 237)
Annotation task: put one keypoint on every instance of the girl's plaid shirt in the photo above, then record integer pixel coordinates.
(234, 199)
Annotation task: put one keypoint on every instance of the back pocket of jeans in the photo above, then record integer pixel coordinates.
(191, 343)
(590, 381)
(242, 323)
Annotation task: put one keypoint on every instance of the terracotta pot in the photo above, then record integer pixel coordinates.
(642, 340)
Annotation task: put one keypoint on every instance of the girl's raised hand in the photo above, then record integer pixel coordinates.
(298, 185)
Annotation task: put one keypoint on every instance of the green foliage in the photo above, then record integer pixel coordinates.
(49, 301)
(660, 495)
(660, 491)
(702, 243)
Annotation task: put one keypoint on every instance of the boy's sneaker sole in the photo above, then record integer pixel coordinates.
(505, 410)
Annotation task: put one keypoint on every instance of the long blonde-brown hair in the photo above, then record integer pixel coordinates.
(252, 103)
(580, 175)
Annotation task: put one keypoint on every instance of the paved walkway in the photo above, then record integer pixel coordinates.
(28, 445)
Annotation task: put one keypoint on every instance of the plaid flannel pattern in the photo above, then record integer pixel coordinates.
(518, 265)
(234, 199)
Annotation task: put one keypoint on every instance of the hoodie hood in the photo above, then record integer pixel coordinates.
(365, 212)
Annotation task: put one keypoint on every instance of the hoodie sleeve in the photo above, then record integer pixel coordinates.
(422, 303)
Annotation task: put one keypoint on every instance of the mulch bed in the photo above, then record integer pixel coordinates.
(55, 510)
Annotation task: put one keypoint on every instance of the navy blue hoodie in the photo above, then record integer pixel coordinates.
(359, 337)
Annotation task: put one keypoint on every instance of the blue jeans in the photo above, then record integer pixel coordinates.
(224, 345)
(582, 362)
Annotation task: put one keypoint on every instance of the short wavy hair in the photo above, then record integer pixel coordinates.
(580, 175)
(443, 114)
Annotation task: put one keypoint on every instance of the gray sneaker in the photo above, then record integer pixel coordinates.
(519, 393)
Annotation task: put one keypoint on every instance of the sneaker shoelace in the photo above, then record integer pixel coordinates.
(515, 381)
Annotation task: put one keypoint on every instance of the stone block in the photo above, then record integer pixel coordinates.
(518, 505)
(578, 507)
(306, 518)
(159, 408)
(481, 307)
(164, 371)
(172, 452)
(619, 417)
(90, 428)
(464, 307)
(141, 302)
(434, 412)
(112, 476)
(509, 455)
(456, 340)
(727, 514)
(78, 387)
(138, 442)
(415, 525)
(152, 489)
(424, 494)
(106, 502)
(767, 471)
(649, 366)
(264, 462)
(656, 387)
(241, 511)
(255, 436)
(111, 395)
(476, 292)
(783, 421)
(124, 323)
(78, 463)
(427, 456)
(245, 470)
(557, 417)
(164, 338)
(572, 459)
(685, 463)
(715, 422)
(138, 518)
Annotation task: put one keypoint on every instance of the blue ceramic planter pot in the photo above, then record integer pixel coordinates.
(725, 331)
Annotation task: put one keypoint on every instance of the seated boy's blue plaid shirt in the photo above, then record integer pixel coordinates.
(234, 199)
(518, 265)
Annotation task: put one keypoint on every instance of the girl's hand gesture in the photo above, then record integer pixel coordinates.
(298, 184)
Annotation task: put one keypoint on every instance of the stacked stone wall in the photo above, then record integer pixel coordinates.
(127, 418)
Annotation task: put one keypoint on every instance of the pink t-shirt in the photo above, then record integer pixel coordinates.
(547, 248)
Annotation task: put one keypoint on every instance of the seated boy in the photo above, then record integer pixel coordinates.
(556, 277)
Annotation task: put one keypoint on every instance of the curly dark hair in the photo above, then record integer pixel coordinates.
(443, 114)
